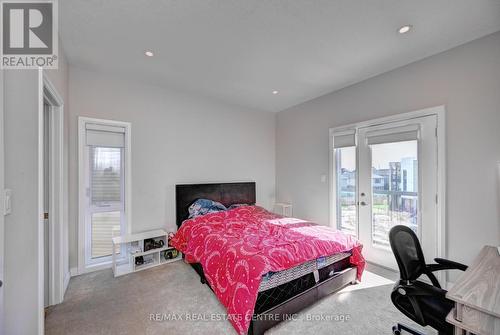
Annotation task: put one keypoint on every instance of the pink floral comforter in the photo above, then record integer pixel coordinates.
(238, 246)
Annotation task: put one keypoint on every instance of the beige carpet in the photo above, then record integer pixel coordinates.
(142, 303)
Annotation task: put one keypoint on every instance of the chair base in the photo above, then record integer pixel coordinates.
(396, 330)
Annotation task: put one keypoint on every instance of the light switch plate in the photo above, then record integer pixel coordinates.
(7, 203)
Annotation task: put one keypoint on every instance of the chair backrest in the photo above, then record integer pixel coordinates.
(408, 253)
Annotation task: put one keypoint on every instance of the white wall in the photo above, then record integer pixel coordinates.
(21, 175)
(465, 79)
(176, 138)
(2, 226)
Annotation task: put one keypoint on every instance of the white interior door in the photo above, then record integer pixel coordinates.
(397, 185)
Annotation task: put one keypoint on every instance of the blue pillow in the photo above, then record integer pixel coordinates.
(205, 206)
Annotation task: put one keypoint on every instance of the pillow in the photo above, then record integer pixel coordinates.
(205, 206)
(236, 206)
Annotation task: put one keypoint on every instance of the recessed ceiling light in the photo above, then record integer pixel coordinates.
(149, 53)
(405, 29)
(275, 92)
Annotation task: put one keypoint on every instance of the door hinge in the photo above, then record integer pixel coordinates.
(437, 198)
(436, 132)
(45, 216)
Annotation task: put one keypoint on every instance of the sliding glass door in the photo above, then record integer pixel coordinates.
(386, 175)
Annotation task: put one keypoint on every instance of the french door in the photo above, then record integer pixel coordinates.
(103, 168)
(386, 175)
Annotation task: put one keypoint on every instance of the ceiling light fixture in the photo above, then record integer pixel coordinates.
(405, 29)
(149, 53)
(275, 92)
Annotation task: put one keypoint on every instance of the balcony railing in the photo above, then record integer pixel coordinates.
(389, 208)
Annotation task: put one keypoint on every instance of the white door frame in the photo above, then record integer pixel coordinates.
(82, 121)
(440, 112)
(47, 92)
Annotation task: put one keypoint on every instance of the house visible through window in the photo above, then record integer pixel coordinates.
(345, 159)
(346, 181)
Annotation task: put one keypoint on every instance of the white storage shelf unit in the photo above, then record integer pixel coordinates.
(283, 208)
(133, 246)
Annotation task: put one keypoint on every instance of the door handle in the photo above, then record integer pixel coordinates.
(1, 283)
(363, 203)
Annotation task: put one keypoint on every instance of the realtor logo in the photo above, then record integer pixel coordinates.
(29, 37)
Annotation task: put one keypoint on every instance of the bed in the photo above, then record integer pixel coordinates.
(283, 293)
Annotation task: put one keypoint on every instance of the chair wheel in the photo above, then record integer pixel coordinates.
(203, 281)
(396, 331)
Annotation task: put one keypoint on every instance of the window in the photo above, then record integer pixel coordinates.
(394, 188)
(344, 144)
(345, 159)
(106, 204)
(103, 188)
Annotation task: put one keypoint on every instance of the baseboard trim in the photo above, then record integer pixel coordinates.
(74, 272)
(93, 268)
(67, 277)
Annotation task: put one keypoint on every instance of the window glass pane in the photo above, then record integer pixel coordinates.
(106, 174)
(105, 226)
(346, 189)
(394, 188)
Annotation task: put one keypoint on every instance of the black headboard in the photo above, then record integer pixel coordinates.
(226, 193)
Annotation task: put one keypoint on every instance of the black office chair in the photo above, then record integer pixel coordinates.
(423, 303)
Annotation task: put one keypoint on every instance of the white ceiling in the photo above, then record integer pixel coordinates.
(239, 51)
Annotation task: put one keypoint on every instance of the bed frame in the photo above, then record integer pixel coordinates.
(282, 302)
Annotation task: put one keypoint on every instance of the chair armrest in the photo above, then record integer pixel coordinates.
(418, 288)
(444, 264)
